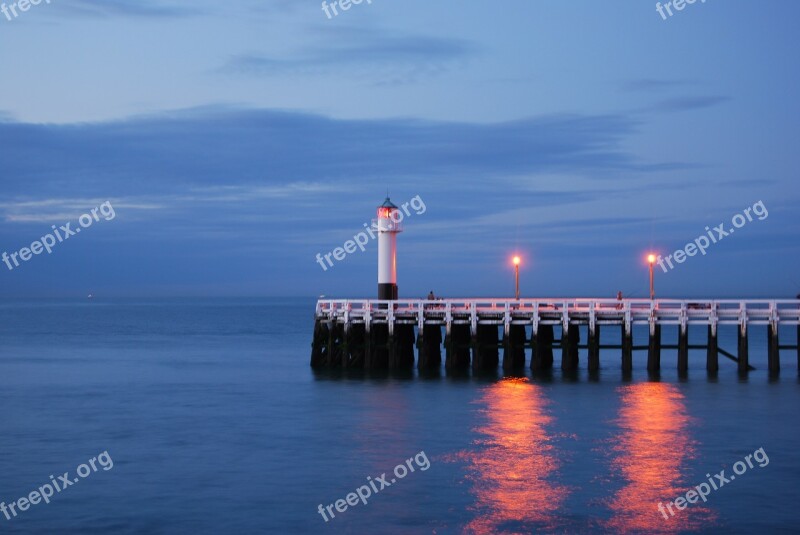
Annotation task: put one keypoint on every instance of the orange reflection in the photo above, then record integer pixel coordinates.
(650, 456)
(510, 475)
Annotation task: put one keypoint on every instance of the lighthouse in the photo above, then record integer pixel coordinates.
(388, 226)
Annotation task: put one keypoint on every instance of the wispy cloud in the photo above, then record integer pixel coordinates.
(129, 8)
(384, 53)
(679, 104)
(650, 85)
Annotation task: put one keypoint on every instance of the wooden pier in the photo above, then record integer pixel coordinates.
(378, 335)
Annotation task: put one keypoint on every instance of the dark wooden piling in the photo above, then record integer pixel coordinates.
(401, 347)
(627, 349)
(319, 342)
(773, 349)
(542, 348)
(654, 349)
(377, 358)
(570, 339)
(485, 353)
(429, 345)
(683, 349)
(712, 352)
(594, 347)
(457, 347)
(353, 351)
(743, 350)
(334, 346)
(514, 348)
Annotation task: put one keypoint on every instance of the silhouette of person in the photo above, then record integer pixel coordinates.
(431, 297)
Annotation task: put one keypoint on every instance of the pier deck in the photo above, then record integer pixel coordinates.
(380, 334)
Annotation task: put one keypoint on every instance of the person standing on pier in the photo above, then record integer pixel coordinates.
(431, 297)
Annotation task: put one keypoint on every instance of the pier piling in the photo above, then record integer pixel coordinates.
(627, 348)
(401, 347)
(683, 349)
(429, 343)
(594, 347)
(654, 349)
(743, 350)
(570, 339)
(514, 348)
(485, 354)
(542, 348)
(773, 349)
(712, 353)
(457, 348)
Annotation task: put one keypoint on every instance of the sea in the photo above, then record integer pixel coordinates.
(204, 416)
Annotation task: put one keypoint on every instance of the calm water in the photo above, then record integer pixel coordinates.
(216, 424)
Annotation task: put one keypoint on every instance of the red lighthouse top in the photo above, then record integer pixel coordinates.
(385, 210)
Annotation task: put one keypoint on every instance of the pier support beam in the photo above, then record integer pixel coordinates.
(378, 342)
(594, 347)
(542, 344)
(654, 349)
(429, 345)
(401, 347)
(514, 348)
(773, 349)
(353, 355)
(744, 357)
(318, 345)
(485, 354)
(457, 347)
(712, 353)
(335, 345)
(627, 349)
(683, 349)
(570, 338)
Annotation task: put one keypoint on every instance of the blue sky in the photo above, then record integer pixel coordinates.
(238, 140)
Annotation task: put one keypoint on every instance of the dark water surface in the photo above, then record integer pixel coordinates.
(216, 424)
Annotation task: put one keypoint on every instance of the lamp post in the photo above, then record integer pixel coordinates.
(517, 260)
(651, 260)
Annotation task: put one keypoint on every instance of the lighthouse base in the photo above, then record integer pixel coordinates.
(387, 291)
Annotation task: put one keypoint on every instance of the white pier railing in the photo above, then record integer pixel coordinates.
(560, 311)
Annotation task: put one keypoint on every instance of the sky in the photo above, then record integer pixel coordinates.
(237, 141)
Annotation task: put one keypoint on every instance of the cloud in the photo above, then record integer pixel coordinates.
(279, 153)
(377, 53)
(649, 85)
(221, 183)
(679, 104)
(128, 8)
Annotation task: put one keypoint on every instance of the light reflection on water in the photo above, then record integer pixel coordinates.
(512, 472)
(650, 454)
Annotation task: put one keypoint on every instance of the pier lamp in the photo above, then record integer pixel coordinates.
(516, 261)
(651, 260)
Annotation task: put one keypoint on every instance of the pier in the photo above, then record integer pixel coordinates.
(473, 333)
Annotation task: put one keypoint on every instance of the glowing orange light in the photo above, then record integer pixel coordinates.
(651, 258)
(517, 260)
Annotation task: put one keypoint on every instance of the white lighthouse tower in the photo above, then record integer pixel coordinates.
(388, 224)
